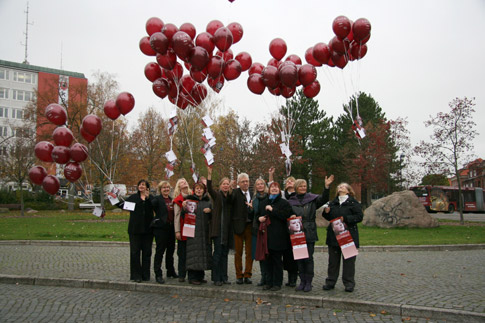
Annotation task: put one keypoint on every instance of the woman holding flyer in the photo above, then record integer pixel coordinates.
(139, 231)
(181, 191)
(196, 211)
(344, 212)
(305, 205)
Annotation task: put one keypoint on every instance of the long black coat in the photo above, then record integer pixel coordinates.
(240, 211)
(221, 216)
(278, 235)
(351, 211)
(142, 216)
(161, 213)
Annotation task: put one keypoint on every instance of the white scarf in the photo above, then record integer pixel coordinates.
(342, 199)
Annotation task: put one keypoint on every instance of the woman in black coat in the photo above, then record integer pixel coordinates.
(140, 233)
(276, 211)
(346, 206)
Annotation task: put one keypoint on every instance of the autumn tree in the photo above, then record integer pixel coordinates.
(451, 144)
(435, 179)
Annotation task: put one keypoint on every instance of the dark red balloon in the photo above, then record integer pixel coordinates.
(361, 29)
(79, 152)
(340, 46)
(198, 93)
(56, 114)
(287, 92)
(277, 48)
(159, 42)
(310, 59)
(88, 137)
(73, 171)
(153, 25)
(51, 184)
(169, 30)
(213, 26)
(232, 70)
(357, 51)
(111, 110)
(321, 53)
(217, 83)
(307, 74)
(92, 123)
(227, 55)
(145, 46)
(61, 154)
(341, 26)
(274, 62)
(176, 73)
(223, 39)
(245, 60)
(310, 91)
(187, 83)
(256, 68)
(275, 91)
(160, 87)
(236, 30)
(199, 58)
(215, 67)
(271, 77)
(256, 84)
(182, 102)
(43, 151)
(62, 136)
(288, 74)
(182, 45)
(189, 29)
(199, 76)
(37, 174)
(168, 60)
(339, 60)
(125, 103)
(152, 71)
(294, 58)
(205, 40)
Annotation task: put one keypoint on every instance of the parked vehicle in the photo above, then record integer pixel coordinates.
(445, 198)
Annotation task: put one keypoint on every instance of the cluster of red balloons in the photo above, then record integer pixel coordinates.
(173, 46)
(348, 44)
(124, 103)
(61, 152)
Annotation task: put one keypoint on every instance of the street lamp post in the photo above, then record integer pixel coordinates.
(401, 157)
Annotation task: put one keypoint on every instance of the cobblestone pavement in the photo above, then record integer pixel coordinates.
(434, 281)
(26, 303)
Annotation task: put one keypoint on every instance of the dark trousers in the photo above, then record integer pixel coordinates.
(274, 268)
(219, 261)
(348, 272)
(289, 263)
(169, 262)
(195, 275)
(181, 253)
(161, 240)
(305, 266)
(140, 245)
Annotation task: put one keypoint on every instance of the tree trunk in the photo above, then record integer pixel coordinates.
(21, 201)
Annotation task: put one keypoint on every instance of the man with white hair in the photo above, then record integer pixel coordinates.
(242, 219)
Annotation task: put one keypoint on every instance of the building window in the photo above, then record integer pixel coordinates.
(3, 131)
(3, 93)
(3, 151)
(3, 74)
(17, 114)
(3, 112)
(24, 77)
(22, 95)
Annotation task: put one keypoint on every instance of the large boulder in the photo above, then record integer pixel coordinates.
(400, 209)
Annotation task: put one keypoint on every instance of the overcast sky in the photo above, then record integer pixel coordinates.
(422, 54)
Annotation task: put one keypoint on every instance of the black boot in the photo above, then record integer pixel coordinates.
(302, 283)
(292, 277)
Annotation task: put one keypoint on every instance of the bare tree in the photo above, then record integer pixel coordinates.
(451, 143)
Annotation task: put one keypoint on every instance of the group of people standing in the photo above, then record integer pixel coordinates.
(253, 224)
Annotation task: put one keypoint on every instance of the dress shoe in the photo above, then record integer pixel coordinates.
(349, 289)
(247, 280)
(327, 287)
(160, 280)
(267, 287)
(194, 282)
(218, 283)
(275, 288)
(239, 281)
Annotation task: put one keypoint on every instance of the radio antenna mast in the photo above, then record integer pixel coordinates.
(26, 33)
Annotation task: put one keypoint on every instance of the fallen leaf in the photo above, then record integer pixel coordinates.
(383, 312)
(226, 299)
(403, 274)
(372, 315)
(288, 305)
(407, 319)
(175, 296)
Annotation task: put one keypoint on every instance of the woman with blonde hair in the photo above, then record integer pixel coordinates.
(258, 203)
(181, 191)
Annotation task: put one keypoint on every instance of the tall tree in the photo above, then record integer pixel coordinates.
(451, 144)
(435, 179)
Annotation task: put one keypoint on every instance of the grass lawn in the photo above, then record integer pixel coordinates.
(80, 225)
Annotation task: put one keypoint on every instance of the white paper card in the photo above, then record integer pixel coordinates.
(170, 155)
(194, 177)
(113, 199)
(208, 121)
(361, 133)
(212, 142)
(172, 114)
(98, 211)
(208, 133)
(129, 206)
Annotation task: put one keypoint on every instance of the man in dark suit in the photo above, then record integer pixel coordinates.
(242, 219)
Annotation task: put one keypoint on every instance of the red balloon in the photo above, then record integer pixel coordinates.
(182, 102)
(339, 46)
(357, 51)
(92, 123)
(43, 151)
(111, 110)
(365, 40)
(125, 103)
(310, 91)
(173, 89)
(145, 46)
(245, 60)
(61, 154)
(62, 136)
(56, 114)
(277, 48)
(205, 40)
(198, 76)
(189, 29)
(271, 77)
(307, 74)
(256, 84)
(215, 67)
(274, 62)
(236, 30)
(310, 59)
(294, 58)
(275, 91)
(287, 92)
(176, 73)
(321, 53)
(73, 171)
(168, 60)
(216, 83)
(198, 93)
(160, 87)
(79, 152)
(223, 39)
(199, 58)
(213, 26)
(153, 25)
(361, 29)
(88, 137)
(256, 68)
(232, 70)
(169, 30)
(227, 55)
(182, 45)
(37, 174)
(339, 60)
(159, 42)
(288, 74)
(152, 71)
(187, 83)
(341, 26)
(51, 184)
